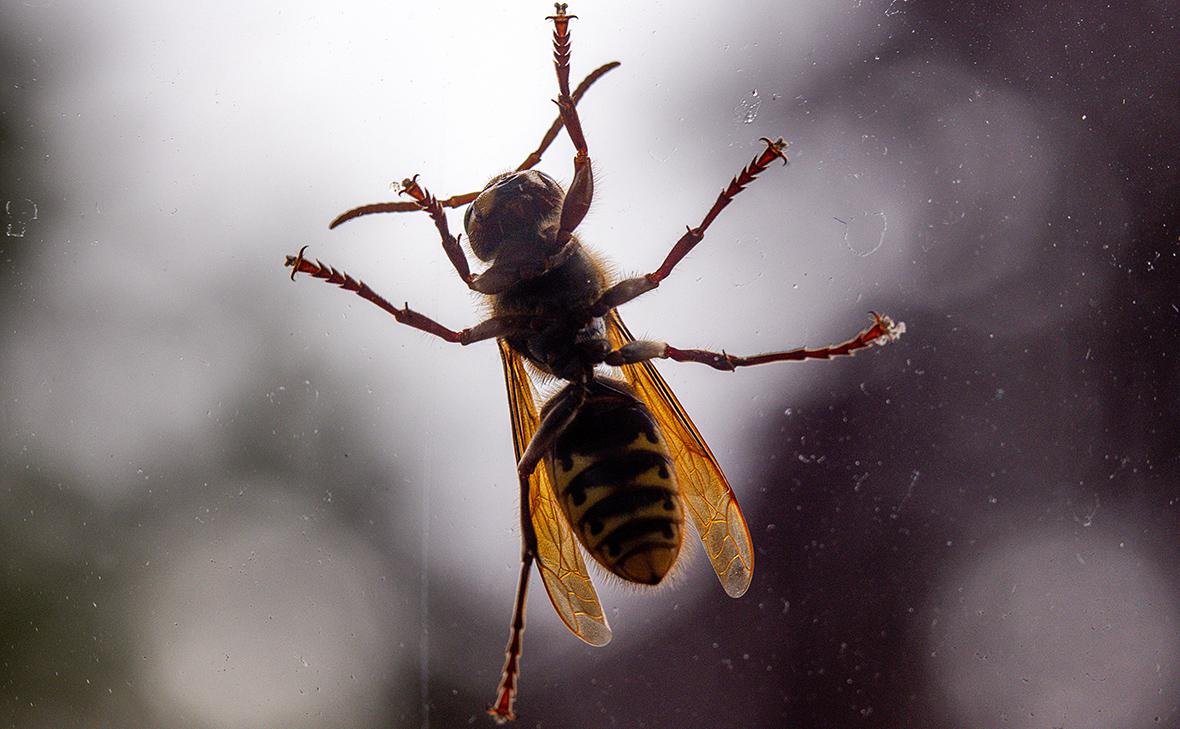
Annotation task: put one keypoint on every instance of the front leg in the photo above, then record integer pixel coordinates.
(430, 204)
(455, 201)
(581, 193)
(882, 331)
(493, 280)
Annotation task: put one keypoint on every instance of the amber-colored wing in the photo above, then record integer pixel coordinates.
(707, 494)
(558, 558)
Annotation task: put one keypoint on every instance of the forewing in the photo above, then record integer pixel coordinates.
(706, 493)
(558, 558)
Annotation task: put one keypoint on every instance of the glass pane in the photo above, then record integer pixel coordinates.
(230, 500)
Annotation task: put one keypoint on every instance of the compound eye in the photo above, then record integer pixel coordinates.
(467, 216)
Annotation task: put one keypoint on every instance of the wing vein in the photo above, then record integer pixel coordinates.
(559, 560)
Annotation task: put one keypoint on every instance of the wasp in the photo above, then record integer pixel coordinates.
(611, 462)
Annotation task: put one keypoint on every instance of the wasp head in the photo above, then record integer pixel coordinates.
(514, 206)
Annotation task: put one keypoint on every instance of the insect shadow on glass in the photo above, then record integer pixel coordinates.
(611, 463)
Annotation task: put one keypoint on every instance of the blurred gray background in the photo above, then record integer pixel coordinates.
(228, 500)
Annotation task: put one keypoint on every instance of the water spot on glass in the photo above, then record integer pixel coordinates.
(864, 234)
(19, 213)
(1087, 519)
(663, 155)
(747, 109)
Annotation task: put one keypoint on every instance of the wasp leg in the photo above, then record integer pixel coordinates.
(501, 709)
(456, 201)
(494, 280)
(581, 191)
(628, 289)
(401, 206)
(535, 156)
(555, 421)
(882, 331)
(498, 326)
(430, 204)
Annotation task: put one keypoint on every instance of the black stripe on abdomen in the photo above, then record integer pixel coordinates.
(615, 470)
(641, 531)
(624, 501)
(607, 422)
(642, 550)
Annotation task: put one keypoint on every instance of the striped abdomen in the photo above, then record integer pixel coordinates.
(615, 481)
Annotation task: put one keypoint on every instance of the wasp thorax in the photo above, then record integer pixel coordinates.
(513, 206)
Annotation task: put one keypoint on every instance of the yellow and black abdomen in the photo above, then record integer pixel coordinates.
(616, 484)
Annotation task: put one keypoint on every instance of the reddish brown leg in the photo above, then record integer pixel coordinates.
(489, 329)
(492, 281)
(400, 206)
(581, 192)
(429, 203)
(535, 156)
(628, 289)
(501, 709)
(553, 424)
(459, 200)
(882, 331)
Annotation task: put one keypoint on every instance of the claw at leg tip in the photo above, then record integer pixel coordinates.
(295, 262)
(778, 147)
(499, 717)
(890, 331)
(560, 9)
(407, 185)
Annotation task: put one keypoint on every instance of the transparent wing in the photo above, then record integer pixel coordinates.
(706, 493)
(558, 558)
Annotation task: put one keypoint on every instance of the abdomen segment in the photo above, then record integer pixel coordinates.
(616, 484)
